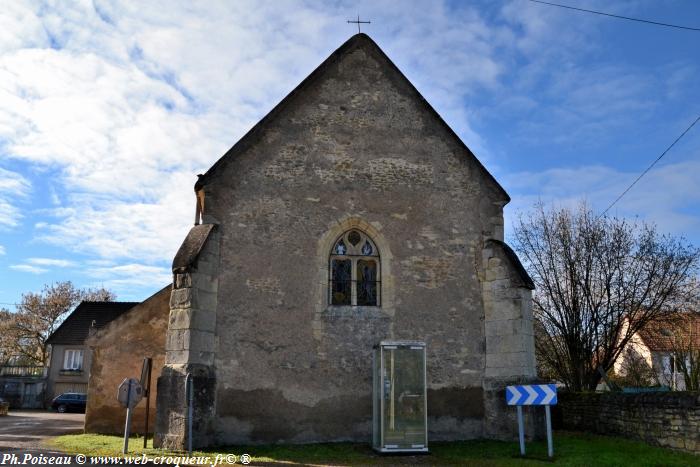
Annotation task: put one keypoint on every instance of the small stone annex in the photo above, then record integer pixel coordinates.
(350, 214)
(117, 351)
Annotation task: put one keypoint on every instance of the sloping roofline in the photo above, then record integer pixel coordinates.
(191, 247)
(355, 41)
(87, 310)
(118, 321)
(525, 278)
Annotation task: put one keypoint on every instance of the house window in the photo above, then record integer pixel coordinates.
(354, 272)
(73, 359)
(670, 365)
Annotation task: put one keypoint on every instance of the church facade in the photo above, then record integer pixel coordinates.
(350, 214)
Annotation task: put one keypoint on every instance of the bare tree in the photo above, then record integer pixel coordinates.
(38, 315)
(6, 340)
(683, 332)
(598, 281)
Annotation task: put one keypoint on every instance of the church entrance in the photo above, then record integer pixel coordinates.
(399, 399)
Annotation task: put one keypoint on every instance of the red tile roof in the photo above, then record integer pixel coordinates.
(667, 333)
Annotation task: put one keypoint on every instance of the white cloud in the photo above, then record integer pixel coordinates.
(28, 268)
(2, 250)
(40, 265)
(123, 279)
(60, 263)
(100, 262)
(130, 101)
(662, 197)
(117, 229)
(126, 102)
(13, 187)
(20, 27)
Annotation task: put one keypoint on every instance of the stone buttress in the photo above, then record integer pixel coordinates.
(190, 342)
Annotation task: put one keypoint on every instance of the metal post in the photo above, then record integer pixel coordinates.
(190, 402)
(147, 387)
(381, 399)
(521, 430)
(127, 425)
(392, 412)
(550, 443)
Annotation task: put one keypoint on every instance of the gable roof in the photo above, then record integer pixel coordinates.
(668, 333)
(75, 329)
(360, 40)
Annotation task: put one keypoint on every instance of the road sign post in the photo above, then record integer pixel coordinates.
(146, 384)
(127, 426)
(550, 444)
(129, 394)
(533, 394)
(521, 430)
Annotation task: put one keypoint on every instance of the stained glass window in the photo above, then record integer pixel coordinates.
(354, 271)
(342, 281)
(366, 282)
(354, 237)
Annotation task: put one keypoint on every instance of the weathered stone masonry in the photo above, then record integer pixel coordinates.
(669, 419)
(355, 146)
(190, 341)
(118, 351)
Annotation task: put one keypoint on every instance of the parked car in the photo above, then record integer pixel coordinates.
(69, 402)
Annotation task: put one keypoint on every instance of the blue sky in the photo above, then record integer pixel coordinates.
(108, 110)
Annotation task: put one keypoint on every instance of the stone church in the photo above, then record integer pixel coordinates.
(350, 214)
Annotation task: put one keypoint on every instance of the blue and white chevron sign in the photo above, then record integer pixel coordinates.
(532, 394)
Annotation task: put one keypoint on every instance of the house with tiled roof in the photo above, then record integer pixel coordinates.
(69, 365)
(668, 345)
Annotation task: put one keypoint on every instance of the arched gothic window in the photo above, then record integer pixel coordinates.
(354, 272)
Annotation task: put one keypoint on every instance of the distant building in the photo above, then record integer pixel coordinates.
(22, 385)
(69, 366)
(659, 345)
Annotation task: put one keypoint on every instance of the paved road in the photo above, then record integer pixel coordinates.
(27, 429)
(23, 432)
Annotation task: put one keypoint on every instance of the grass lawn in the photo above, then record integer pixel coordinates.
(570, 449)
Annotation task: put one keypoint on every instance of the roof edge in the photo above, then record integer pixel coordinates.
(244, 142)
(115, 322)
(190, 248)
(49, 340)
(247, 139)
(527, 281)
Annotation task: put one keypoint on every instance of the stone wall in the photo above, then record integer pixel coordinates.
(669, 419)
(356, 150)
(118, 351)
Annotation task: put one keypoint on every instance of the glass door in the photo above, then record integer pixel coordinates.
(400, 393)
